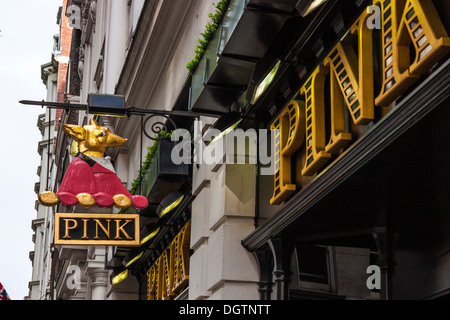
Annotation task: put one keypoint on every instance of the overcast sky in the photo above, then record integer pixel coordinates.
(26, 42)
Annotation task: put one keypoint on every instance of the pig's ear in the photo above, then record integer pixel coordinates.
(77, 132)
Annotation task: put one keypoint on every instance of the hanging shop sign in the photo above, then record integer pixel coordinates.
(90, 179)
(169, 276)
(405, 26)
(97, 229)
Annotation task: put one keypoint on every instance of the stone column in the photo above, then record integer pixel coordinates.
(222, 216)
(98, 284)
(98, 276)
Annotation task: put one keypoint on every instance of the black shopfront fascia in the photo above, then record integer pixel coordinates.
(385, 192)
(391, 180)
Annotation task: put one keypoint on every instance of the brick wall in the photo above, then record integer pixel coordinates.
(65, 45)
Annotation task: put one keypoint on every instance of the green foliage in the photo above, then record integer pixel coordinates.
(208, 34)
(148, 160)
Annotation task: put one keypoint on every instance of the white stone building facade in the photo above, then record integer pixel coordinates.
(139, 49)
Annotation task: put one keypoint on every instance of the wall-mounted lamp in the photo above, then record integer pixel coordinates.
(305, 7)
(170, 202)
(106, 105)
(118, 277)
(132, 257)
(147, 235)
(225, 125)
(266, 82)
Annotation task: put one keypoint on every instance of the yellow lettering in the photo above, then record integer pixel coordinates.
(151, 283)
(158, 279)
(170, 274)
(179, 257)
(313, 90)
(120, 229)
(174, 262)
(406, 24)
(290, 130)
(166, 286)
(99, 224)
(351, 84)
(183, 258)
(85, 236)
(68, 227)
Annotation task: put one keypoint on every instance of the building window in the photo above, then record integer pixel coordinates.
(312, 268)
(313, 264)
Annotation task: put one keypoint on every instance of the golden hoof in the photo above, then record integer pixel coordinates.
(86, 200)
(48, 199)
(122, 201)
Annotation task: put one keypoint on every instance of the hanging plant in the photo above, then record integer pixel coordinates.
(210, 29)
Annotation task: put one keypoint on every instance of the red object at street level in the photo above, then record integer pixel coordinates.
(3, 294)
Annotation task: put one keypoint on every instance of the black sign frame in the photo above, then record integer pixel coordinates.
(94, 229)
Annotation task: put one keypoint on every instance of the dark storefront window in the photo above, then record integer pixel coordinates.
(313, 264)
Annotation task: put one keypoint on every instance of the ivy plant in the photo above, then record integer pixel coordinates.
(208, 34)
